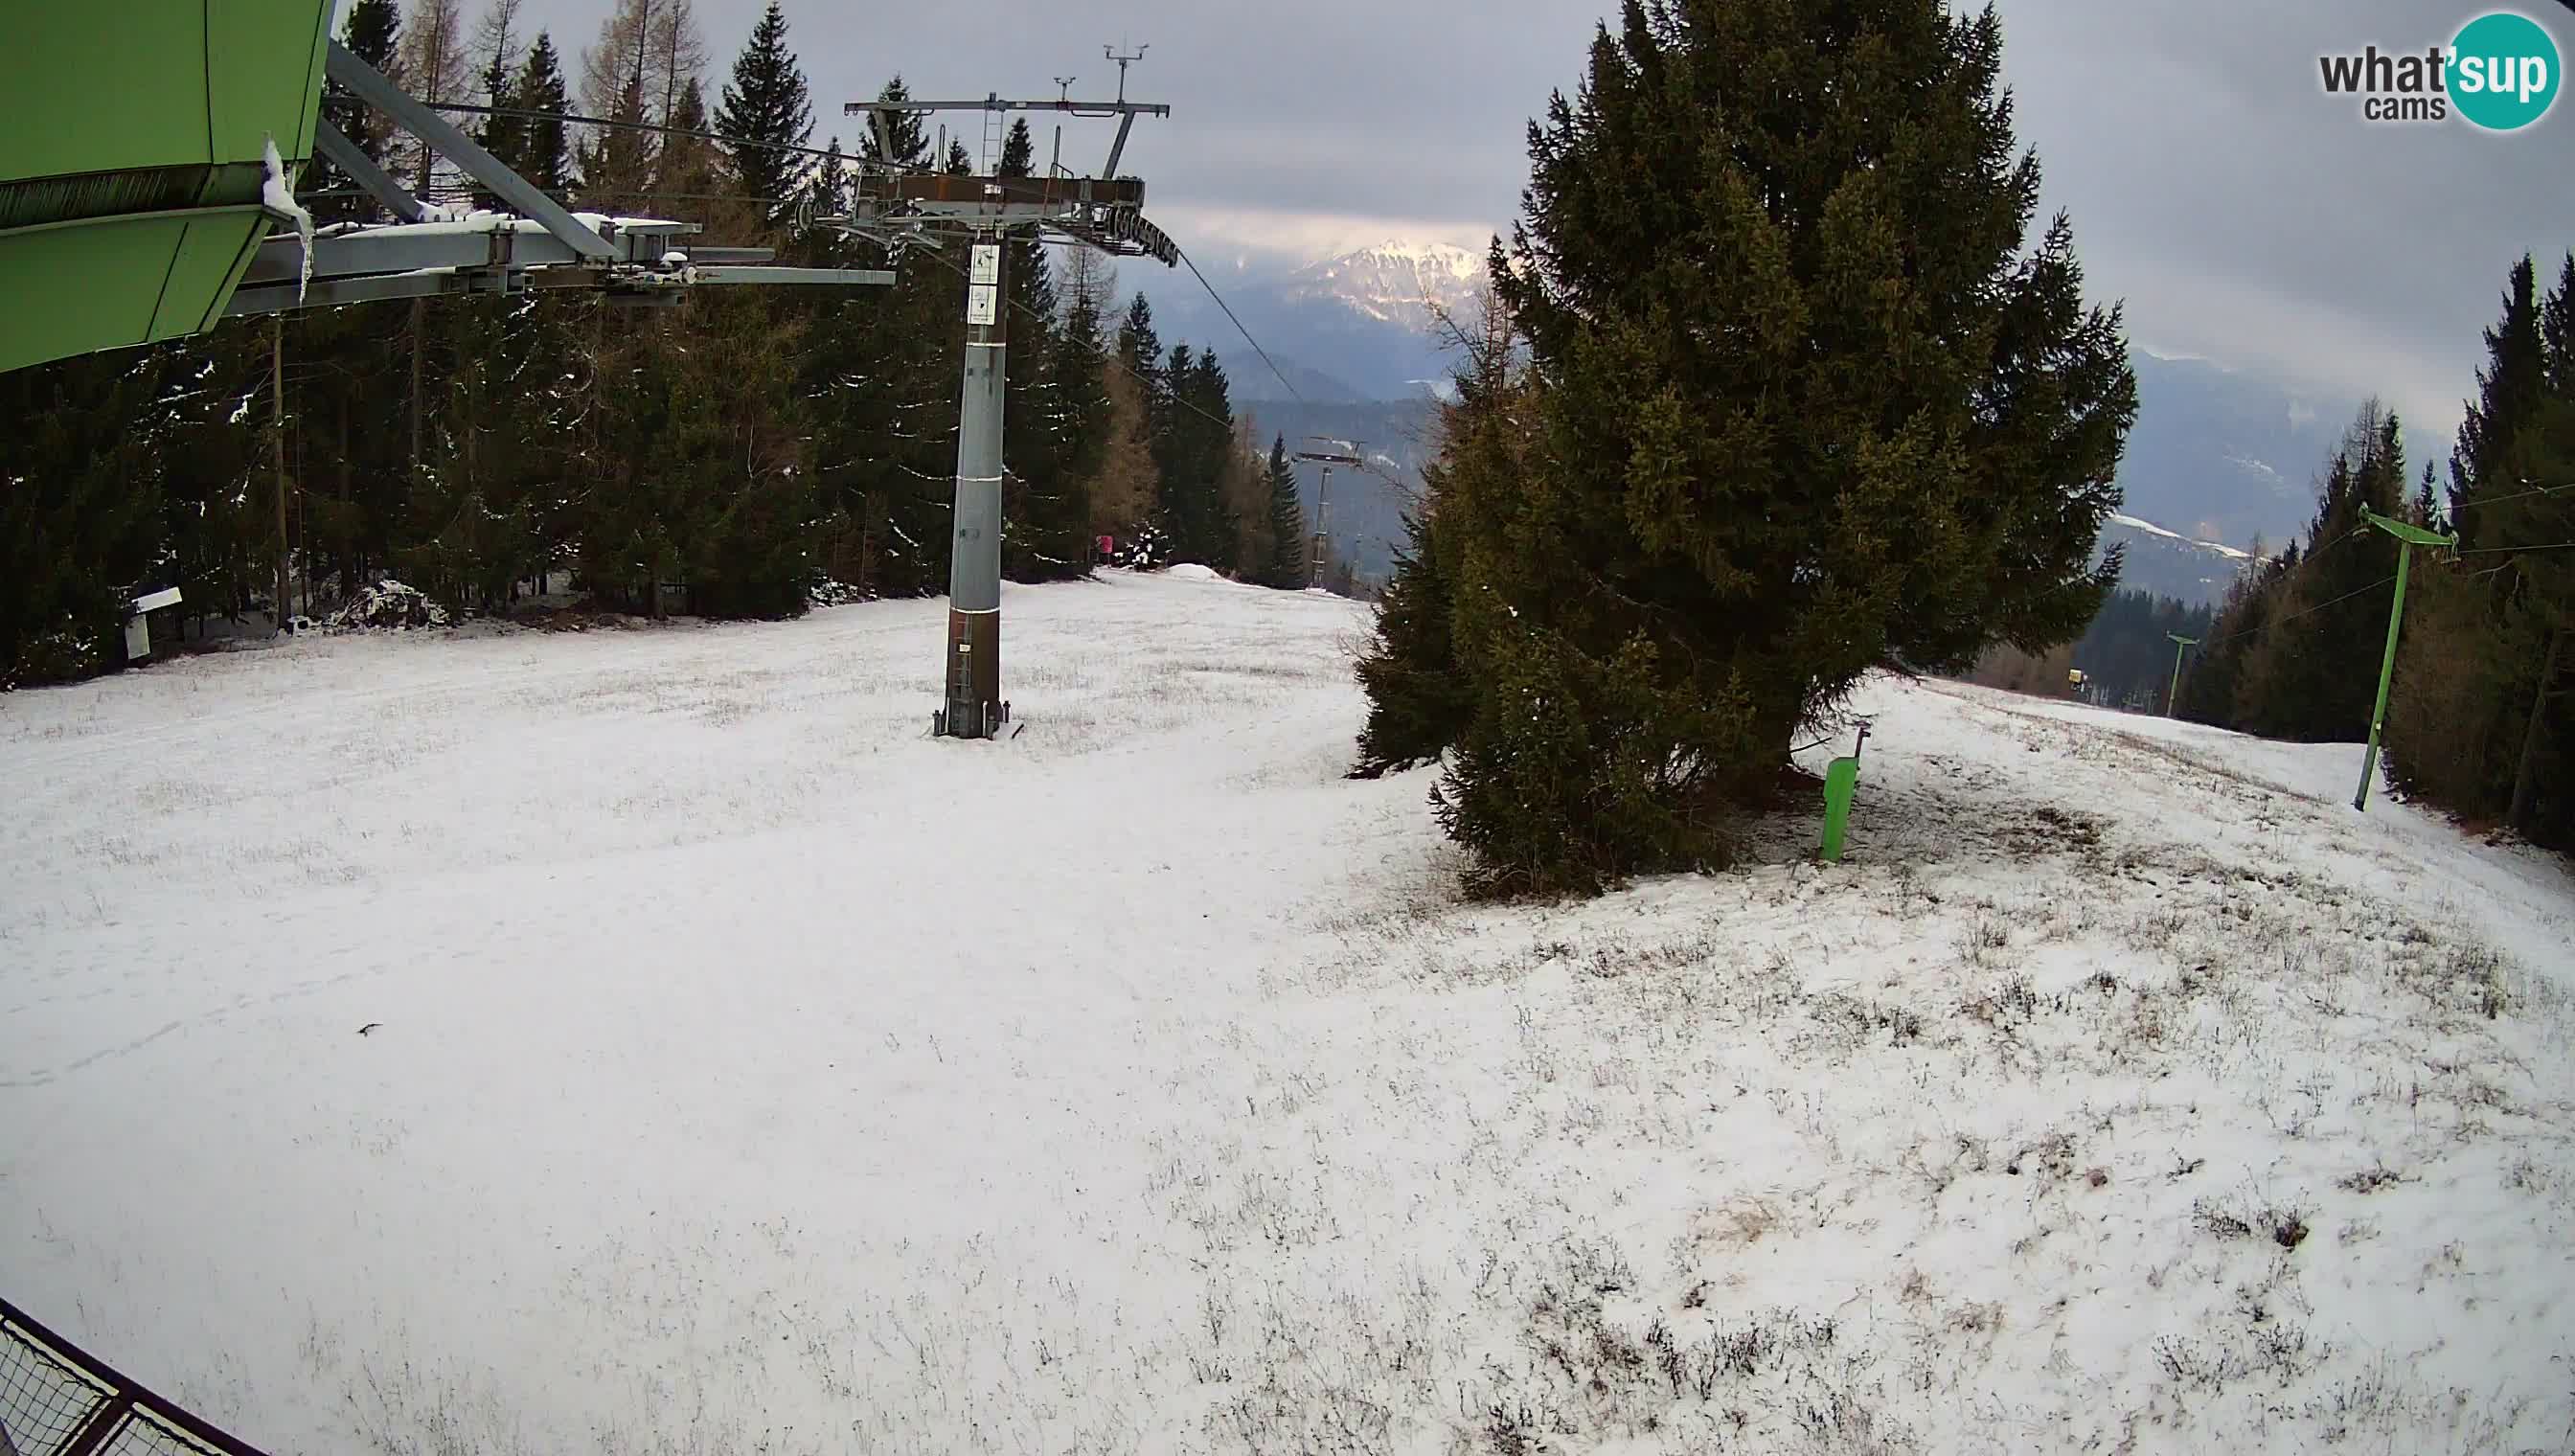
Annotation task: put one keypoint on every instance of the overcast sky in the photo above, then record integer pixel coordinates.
(2243, 215)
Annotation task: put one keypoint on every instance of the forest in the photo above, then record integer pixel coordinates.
(745, 453)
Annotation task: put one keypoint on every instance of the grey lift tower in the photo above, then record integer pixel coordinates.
(1347, 456)
(904, 210)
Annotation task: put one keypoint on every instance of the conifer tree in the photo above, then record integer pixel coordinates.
(1077, 369)
(766, 106)
(545, 146)
(2509, 388)
(1286, 565)
(2312, 674)
(690, 169)
(1139, 348)
(373, 35)
(882, 366)
(2213, 675)
(1813, 400)
(1046, 512)
(79, 520)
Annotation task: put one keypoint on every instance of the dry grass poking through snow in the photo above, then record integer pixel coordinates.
(2051, 1121)
(2124, 1092)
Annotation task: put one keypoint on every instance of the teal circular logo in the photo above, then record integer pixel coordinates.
(2503, 70)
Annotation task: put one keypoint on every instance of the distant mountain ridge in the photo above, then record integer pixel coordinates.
(2218, 460)
(1394, 282)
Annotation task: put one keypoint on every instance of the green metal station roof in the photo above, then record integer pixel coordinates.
(132, 138)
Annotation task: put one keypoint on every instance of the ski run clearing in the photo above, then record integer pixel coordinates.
(749, 1071)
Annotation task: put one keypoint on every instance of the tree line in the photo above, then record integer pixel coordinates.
(2126, 658)
(2478, 720)
(731, 455)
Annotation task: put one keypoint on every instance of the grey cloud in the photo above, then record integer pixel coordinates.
(2240, 213)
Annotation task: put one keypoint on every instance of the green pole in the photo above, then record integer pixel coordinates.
(2408, 536)
(2180, 645)
(2386, 672)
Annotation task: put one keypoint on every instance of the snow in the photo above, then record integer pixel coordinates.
(454, 220)
(1193, 572)
(279, 199)
(2152, 528)
(749, 1069)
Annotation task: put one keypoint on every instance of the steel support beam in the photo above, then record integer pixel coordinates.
(490, 241)
(380, 185)
(371, 87)
(1118, 148)
(995, 103)
(252, 300)
(837, 276)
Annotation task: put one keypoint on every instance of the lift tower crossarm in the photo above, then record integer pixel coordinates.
(1126, 112)
(371, 87)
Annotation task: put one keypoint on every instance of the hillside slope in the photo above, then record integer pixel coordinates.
(750, 1071)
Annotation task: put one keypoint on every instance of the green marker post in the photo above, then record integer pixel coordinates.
(1841, 777)
(2184, 644)
(2407, 537)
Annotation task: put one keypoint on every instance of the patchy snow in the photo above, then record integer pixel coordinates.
(2152, 528)
(276, 196)
(2124, 1091)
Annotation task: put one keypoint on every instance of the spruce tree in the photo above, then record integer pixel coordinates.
(1286, 568)
(907, 139)
(690, 169)
(373, 36)
(80, 452)
(882, 368)
(1045, 508)
(2312, 674)
(617, 163)
(1139, 348)
(544, 146)
(1420, 698)
(2213, 675)
(2509, 388)
(1077, 371)
(1813, 400)
(765, 107)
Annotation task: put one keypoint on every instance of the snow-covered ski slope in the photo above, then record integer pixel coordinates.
(749, 1073)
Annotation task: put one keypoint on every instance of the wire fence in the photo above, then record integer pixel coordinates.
(57, 1400)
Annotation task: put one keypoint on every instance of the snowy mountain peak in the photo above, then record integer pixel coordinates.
(1393, 282)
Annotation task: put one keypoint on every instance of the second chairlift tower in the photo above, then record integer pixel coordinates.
(905, 210)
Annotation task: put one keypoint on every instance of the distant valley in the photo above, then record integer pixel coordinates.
(2220, 463)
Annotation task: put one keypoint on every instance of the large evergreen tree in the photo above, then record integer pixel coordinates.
(1045, 507)
(766, 108)
(2509, 389)
(1811, 400)
(2312, 674)
(373, 35)
(1077, 371)
(690, 169)
(881, 365)
(543, 145)
(1286, 565)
